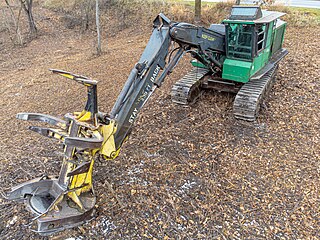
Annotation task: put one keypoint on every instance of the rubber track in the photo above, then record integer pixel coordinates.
(249, 98)
(182, 92)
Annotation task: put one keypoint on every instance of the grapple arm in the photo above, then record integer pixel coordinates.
(67, 200)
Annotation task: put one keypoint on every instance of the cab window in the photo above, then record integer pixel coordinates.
(240, 37)
(261, 37)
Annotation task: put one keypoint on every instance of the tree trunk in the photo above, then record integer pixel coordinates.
(197, 15)
(98, 28)
(27, 6)
(15, 23)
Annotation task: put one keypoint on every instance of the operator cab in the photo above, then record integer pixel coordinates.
(247, 31)
(252, 37)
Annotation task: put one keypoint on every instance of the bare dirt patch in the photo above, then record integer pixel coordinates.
(186, 172)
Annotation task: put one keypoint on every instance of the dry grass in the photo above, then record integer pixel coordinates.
(120, 14)
(299, 17)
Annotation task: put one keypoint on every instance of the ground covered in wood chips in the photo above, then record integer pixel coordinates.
(186, 172)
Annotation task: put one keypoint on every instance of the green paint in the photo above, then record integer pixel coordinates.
(236, 70)
(247, 53)
(249, 46)
(198, 64)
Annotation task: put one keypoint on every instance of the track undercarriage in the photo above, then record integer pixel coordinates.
(188, 88)
(249, 96)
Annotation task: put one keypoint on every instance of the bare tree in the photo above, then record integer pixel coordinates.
(87, 9)
(98, 27)
(15, 21)
(197, 15)
(27, 7)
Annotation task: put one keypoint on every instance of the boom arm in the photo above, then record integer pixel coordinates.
(143, 79)
(145, 76)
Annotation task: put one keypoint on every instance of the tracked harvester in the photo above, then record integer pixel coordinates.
(240, 55)
(252, 51)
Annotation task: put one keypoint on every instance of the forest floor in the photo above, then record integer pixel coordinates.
(186, 172)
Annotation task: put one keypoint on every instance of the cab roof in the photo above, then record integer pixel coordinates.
(255, 16)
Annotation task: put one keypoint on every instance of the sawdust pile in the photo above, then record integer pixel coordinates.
(186, 172)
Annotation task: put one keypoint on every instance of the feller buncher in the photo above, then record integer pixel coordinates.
(240, 55)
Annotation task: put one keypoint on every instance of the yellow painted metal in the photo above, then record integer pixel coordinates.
(84, 116)
(66, 75)
(57, 135)
(80, 183)
(108, 149)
